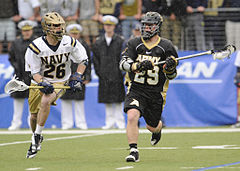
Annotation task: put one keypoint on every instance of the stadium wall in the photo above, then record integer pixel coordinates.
(202, 95)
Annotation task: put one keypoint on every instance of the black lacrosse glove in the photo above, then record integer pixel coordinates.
(170, 65)
(237, 80)
(75, 81)
(48, 88)
(143, 66)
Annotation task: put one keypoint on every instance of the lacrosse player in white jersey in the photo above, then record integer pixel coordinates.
(48, 58)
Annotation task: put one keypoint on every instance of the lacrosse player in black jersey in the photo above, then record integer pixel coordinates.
(148, 82)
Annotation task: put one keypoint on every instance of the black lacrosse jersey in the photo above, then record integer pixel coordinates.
(151, 80)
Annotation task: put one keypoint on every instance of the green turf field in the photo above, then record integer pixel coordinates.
(106, 151)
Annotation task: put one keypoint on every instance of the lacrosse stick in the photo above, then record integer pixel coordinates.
(16, 85)
(220, 54)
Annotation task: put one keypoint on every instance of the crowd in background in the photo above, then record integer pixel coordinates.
(190, 24)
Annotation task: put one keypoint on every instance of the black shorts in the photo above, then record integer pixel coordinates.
(149, 107)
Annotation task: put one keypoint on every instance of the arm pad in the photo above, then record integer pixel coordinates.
(126, 64)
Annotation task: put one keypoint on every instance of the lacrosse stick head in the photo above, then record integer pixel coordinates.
(15, 85)
(224, 53)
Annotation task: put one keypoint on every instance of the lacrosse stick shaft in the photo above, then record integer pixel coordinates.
(188, 56)
(55, 87)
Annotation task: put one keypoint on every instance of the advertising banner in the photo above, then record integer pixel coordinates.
(203, 94)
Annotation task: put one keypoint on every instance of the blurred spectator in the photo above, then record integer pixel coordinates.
(8, 17)
(88, 18)
(30, 10)
(106, 57)
(136, 31)
(194, 31)
(151, 5)
(232, 27)
(173, 12)
(213, 29)
(109, 7)
(237, 83)
(66, 8)
(16, 58)
(49, 6)
(75, 99)
(130, 14)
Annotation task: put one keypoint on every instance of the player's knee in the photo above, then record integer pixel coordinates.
(133, 115)
(33, 116)
(155, 129)
(46, 101)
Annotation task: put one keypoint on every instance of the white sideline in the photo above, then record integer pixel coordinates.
(122, 131)
(124, 168)
(89, 133)
(51, 139)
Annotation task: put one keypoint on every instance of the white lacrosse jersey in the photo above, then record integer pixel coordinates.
(54, 64)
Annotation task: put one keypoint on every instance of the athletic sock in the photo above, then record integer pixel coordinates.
(133, 145)
(39, 129)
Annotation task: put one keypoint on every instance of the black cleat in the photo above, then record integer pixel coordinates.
(31, 153)
(35, 145)
(40, 142)
(133, 156)
(156, 138)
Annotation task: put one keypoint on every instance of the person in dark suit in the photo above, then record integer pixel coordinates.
(106, 56)
(16, 58)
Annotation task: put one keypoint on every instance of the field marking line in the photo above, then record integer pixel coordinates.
(151, 148)
(122, 131)
(124, 168)
(113, 131)
(190, 167)
(214, 147)
(52, 139)
(218, 166)
(36, 168)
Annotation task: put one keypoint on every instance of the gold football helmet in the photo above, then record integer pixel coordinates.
(54, 25)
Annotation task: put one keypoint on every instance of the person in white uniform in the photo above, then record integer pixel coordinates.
(75, 100)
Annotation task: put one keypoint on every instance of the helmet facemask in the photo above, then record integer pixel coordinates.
(151, 24)
(150, 32)
(55, 32)
(53, 25)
